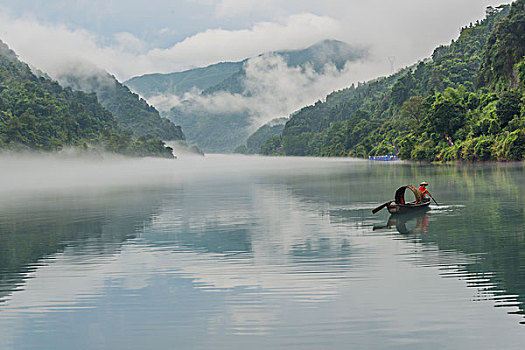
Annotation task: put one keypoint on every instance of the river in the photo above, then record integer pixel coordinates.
(234, 252)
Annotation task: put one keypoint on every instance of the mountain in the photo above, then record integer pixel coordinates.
(36, 113)
(179, 83)
(259, 137)
(317, 56)
(464, 103)
(220, 116)
(133, 113)
(227, 75)
(326, 51)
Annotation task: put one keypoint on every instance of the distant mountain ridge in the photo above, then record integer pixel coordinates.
(181, 82)
(227, 75)
(223, 130)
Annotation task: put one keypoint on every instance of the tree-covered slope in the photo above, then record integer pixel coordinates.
(179, 83)
(132, 113)
(505, 50)
(259, 137)
(37, 113)
(431, 111)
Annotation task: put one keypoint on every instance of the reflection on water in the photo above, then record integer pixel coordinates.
(410, 223)
(225, 253)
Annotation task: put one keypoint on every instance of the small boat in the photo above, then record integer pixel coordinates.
(399, 206)
(385, 158)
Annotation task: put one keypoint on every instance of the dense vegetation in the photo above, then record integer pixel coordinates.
(37, 113)
(465, 103)
(133, 114)
(259, 137)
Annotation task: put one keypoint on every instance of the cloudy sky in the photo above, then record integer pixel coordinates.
(134, 37)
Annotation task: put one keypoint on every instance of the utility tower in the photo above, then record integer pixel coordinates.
(392, 60)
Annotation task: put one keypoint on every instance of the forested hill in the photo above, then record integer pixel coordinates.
(37, 113)
(133, 113)
(463, 103)
(179, 83)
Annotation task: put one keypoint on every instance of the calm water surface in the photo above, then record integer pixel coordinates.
(258, 253)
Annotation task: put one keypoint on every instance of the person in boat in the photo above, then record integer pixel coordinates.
(424, 191)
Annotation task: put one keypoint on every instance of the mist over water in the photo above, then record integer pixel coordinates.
(234, 252)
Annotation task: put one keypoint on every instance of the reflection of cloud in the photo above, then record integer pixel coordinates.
(379, 285)
(73, 279)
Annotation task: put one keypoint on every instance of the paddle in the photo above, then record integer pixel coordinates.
(381, 207)
(433, 198)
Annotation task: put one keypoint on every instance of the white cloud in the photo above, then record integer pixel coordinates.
(407, 29)
(271, 89)
(214, 45)
(46, 46)
(129, 42)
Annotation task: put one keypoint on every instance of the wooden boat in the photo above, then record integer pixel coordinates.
(394, 208)
(400, 206)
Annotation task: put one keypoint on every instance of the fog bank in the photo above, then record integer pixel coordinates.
(33, 173)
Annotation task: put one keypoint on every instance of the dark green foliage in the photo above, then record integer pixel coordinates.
(505, 49)
(432, 111)
(257, 139)
(508, 106)
(132, 112)
(447, 114)
(272, 146)
(38, 114)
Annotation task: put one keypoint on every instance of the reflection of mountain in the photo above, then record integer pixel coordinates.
(33, 230)
(228, 255)
(246, 220)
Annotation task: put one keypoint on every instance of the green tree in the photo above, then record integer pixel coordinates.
(414, 112)
(508, 106)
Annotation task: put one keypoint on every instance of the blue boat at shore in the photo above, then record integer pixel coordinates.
(386, 158)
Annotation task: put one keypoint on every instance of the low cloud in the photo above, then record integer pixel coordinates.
(271, 89)
(84, 76)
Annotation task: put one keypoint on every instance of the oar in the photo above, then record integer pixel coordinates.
(433, 198)
(381, 207)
